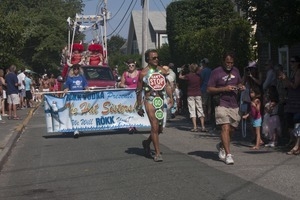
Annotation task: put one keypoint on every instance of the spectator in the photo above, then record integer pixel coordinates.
(12, 92)
(255, 115)
(21, 87)
(3, 100)
(45, 83)
(1, 93)
(129, 79)
(75, 81)
(156, 122)
(251, 78)
(292, 108)
(271, 117)
(206, 99)
(28, 88)
(226, 80)
(178, 95)
(194, 97)
(270, 77)
(171, 77)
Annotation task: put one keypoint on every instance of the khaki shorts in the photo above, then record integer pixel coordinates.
(13, 99)
(195, 106)
(227, 116)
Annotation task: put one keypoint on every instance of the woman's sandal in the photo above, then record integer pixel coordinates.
(204, 130)
(16, 118)
(293, 152)
(194, 130)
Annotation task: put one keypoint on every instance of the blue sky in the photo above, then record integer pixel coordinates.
(119, 22)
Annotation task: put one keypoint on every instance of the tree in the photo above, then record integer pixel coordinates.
(164, 54)
(277, 20)
(33, 32)
(114, 44)
(206, 28)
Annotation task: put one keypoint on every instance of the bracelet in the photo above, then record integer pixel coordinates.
(137, 91)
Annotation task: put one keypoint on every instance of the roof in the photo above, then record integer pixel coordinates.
(157, 24)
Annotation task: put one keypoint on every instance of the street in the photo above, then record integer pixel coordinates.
(110, 165)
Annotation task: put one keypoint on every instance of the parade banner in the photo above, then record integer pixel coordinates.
(92, 111)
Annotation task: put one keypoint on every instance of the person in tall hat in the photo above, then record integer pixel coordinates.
(76, 58)
(95, 54)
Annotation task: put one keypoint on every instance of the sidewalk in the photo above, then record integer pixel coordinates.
(10, 130)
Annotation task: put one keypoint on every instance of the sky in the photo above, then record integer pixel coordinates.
(120, 14)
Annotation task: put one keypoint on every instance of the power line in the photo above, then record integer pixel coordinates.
(159, 9)
(162, 4)
(118, 10)
(123, 17)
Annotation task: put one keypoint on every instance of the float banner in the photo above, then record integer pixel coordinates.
(92, 111)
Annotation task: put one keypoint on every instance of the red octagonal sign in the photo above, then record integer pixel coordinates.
(157, 81)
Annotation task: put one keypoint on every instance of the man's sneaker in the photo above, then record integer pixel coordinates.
(271, 144)
(76, 134)
(229, 160)
(158, 158)
(222, 154)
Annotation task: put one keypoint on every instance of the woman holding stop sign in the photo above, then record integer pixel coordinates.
(155, 86)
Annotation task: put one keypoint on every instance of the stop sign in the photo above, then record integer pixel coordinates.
(157, 81)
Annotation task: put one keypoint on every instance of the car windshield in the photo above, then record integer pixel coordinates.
(98, 73)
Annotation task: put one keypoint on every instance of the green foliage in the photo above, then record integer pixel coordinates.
(277, 20)
(114, 44)
(164, 54)
(206, 28)
(115, 58)
(33, 32)
(120, 59)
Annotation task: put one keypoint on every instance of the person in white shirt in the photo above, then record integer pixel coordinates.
(21, 80)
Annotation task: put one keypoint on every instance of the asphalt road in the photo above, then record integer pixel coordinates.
(110, 165)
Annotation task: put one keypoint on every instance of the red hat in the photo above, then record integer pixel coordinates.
(77, 46)
(96, 47)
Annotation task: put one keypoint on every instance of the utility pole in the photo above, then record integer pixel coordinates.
(104, 13)
(145, 6)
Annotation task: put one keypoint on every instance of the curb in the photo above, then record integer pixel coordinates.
(14, 137)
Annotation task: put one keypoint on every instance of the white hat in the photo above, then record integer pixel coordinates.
(205, 60)
(251, 64)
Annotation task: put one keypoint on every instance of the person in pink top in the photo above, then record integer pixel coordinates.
(129, 79)
(255, 114)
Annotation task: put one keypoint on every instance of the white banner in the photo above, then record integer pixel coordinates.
(92, 111)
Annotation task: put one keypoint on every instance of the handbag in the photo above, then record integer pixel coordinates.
(217, 97)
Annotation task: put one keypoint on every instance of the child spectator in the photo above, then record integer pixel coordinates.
(271, 117)
(255, 115)
(178, 95)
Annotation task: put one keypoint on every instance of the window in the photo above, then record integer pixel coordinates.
(283, 59)
(163, 39)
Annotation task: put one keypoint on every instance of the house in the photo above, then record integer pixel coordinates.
(157, 33)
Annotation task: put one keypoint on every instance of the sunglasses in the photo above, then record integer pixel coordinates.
(131, 65)
(154, 58)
